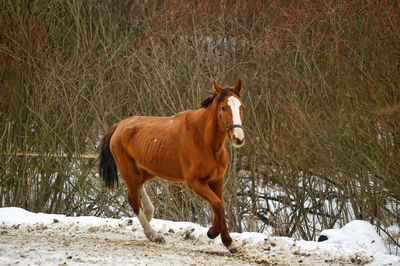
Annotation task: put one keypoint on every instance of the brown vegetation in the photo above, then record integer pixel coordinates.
(322, 103)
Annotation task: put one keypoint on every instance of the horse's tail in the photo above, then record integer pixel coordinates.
(107, 167)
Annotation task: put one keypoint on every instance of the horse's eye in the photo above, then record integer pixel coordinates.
(223, 109)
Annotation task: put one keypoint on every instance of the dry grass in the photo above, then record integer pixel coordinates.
(321, 90)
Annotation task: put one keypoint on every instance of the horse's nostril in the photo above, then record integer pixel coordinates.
(237, 140)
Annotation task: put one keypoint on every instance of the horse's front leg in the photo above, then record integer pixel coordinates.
(202, 188)
(215, 229)
(221, 226)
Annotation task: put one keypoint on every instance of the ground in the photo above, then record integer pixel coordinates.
(41, 246)
(101, 246)
(57, 239)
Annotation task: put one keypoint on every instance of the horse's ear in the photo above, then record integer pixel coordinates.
(217, 88)
(238, 86)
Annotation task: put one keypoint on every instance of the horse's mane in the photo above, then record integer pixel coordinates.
(206, 102)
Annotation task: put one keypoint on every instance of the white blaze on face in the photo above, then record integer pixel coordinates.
(235, 104)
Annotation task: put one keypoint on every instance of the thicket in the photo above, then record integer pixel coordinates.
(321, 87)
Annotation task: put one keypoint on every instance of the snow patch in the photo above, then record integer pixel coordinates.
(356, 235)
(259, 247)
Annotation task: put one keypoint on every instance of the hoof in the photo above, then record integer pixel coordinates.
(238, 250)
(234, 248)
(211, 236)
(160, 240)
(156, 238)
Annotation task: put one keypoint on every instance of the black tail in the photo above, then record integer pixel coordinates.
(107, 167)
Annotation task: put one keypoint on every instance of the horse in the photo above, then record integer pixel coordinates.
(188, 147)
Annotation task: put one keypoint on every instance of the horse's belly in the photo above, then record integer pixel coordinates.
(160, 163)
(164, 170)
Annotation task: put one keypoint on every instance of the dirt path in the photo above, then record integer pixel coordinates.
(43, 245)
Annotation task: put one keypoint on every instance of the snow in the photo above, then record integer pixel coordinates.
(356, 235)
(357, 242)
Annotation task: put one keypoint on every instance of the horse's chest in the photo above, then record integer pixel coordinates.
(213, 165)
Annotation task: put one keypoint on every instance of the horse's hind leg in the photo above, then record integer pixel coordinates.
(134, 180)
(148, 207)
(148, 230)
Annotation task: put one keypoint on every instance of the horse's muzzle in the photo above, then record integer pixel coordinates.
(238, 137)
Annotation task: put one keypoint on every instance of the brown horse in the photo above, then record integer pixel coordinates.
(188, 147)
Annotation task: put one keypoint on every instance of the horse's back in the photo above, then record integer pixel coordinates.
(142, 128)
(153, 143)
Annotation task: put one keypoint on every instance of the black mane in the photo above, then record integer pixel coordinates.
(205, 103)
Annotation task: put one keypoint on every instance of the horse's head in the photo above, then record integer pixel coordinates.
(230, 112)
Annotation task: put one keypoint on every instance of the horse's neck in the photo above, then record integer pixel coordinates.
(213, 134)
